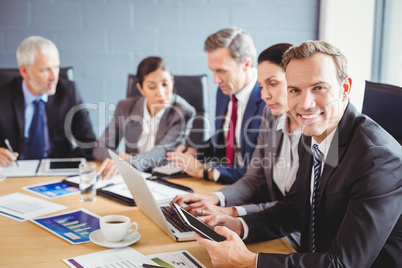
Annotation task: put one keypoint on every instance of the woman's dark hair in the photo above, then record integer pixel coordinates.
(274, 53)
(149, 65)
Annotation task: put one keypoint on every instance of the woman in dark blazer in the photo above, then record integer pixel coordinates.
(151, 125)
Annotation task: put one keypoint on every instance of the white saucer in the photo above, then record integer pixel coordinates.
(98, 238)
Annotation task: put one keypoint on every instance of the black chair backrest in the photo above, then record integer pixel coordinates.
(383, 103)
(8, 74)
(194, 90)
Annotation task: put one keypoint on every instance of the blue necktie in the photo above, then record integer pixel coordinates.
(317, 158)
(36, 138)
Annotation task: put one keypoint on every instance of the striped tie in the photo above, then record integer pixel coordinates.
(317, 157)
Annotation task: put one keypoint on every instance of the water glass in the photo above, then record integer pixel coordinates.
(87, 181)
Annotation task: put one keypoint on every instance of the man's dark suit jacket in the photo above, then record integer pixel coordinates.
(359, 220)
(12, 120)
(216, 146)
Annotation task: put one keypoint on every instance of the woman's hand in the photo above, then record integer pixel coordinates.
(108, 169)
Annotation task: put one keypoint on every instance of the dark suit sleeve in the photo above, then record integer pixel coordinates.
(229, 175)
(277, 221)
(80, 124)
(373, 209)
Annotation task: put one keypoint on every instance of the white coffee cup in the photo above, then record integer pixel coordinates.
(115, 227)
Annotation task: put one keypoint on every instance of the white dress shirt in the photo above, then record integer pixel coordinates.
(150, 126)
(287, 162)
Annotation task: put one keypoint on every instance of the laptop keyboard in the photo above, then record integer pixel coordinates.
(172, 217)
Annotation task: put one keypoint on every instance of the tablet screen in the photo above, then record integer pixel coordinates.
(198, 226)
(64, 164)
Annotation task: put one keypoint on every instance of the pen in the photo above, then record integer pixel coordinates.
(150, 266)
(11, 150)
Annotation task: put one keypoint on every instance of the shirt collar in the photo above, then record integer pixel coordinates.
(29, 97)
(147, 115)
(282, 124)
(324, 145)
(244, 94)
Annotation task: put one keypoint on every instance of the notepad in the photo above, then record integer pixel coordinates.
(26, 168)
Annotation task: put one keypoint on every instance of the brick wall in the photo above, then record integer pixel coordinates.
(104, 40)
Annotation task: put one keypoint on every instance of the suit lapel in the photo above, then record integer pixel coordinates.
(51, 105)
(135, 126)
(306, 165)
(164, 122)
(274, 151)
(19, 110)
(251, 110)
(303, 182)
(338, 147)
(222, 102)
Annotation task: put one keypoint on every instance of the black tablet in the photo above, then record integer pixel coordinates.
(197, 226)
(64, 165)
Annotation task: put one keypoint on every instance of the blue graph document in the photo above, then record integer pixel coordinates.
(74, 226)
(52, 189)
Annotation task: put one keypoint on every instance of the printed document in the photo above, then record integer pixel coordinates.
(129, 257)
(21, 207)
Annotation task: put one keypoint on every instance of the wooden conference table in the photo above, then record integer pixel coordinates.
(25, 244)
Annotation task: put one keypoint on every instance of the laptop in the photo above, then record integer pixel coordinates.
(159, 213)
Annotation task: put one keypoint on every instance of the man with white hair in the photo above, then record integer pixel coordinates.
(36, 105)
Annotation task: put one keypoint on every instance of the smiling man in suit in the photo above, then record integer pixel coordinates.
(232, 59)
(37, 115)
(347, 197)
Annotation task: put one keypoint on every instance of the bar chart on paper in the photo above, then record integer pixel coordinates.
(71, 223)
(74, 226)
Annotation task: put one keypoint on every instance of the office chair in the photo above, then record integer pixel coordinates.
(194, 90)
(8, 74)
(383, 103)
